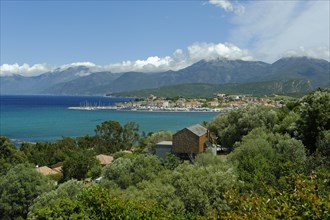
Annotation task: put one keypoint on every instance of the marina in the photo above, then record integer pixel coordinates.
(150, 109)
(48, 118)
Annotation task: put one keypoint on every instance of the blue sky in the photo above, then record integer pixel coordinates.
(38, 36)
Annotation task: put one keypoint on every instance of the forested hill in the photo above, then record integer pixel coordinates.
(83, 81)
(202, 90)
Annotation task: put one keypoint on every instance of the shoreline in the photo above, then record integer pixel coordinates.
(152, 109)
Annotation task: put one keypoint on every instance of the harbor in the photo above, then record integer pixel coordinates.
(150, 109)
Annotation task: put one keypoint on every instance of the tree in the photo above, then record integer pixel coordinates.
(47, 154)
(126, 172)
(145, 167)
(9, 155)
(101, 205)
(130, 135)
(110, 133)
(78, 164)
(98, 203)
(307, 197)
(18, 189)
(287, 123)
(119, 172)
(232, 126)
(64, 208)
(190, 190)
(263, 158)
(68, 191)
(314, 117)
(171, 161)
(324, 145)
(114, 137)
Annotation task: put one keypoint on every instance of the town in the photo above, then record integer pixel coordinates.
(219, 103)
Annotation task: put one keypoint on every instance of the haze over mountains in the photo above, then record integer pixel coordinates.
(312, 73)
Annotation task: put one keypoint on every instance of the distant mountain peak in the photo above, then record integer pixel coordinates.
(300, 58)
(81, 80)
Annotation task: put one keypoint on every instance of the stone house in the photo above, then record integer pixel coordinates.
(191, 140)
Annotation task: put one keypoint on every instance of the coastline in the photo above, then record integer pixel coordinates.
(47, 118)
(151, 109)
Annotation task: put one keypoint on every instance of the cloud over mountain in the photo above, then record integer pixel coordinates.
(25, 69)
(318, 52)
(178, 60)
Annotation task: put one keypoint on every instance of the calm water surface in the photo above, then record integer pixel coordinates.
(47, 118)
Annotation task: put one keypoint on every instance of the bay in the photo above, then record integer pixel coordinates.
(47, 118)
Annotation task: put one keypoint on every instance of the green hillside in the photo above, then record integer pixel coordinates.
(198, 90)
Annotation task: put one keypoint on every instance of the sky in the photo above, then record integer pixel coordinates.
(150, 36)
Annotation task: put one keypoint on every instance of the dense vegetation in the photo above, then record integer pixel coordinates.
(278, 168)
(202, 90)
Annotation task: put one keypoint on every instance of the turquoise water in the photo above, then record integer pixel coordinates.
(47, 118)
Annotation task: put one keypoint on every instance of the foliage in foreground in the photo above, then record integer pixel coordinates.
(264, 158)
(98, 203)
(306, 197)
(270, 174)
(18, 189)
(231, 127)
(9, 155)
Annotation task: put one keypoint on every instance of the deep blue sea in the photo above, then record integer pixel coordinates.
(47, 118)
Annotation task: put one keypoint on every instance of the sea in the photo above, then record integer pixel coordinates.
(36, 118)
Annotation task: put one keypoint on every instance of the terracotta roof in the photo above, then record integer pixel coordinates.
(104, 159)
(46, 170)
(197, 129)
(59, 164)
(58, 169)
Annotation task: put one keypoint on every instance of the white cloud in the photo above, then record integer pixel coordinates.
(319, 52)
(229, 6)
(87, 64)
(151, 64)
(271, 28)
(25, 69)
(211, 51)
(179, 59)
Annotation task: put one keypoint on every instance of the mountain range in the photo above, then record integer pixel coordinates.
(81, 80)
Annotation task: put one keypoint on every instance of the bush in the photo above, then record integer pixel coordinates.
(18, 189)
(263, 158)
(126, 172)
(232, 126)
(306, 198)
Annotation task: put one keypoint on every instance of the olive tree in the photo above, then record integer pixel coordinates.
(9, 155)
(314, 118)
(18, 189)
(263, 158)
(230, 127)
